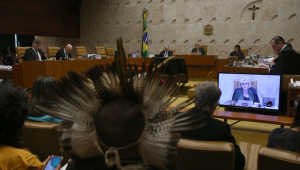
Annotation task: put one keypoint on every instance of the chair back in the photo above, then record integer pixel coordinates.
(20, 53)
(237, 84)
(110, 53)
(245, 51)
(41, 138)
(205, 48)
(173, 50)
(194, 155)
(274, 159)
(51, 52)
(80, 50)
(101, 51)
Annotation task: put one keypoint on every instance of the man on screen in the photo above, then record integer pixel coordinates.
(246, 92)
(269, 103)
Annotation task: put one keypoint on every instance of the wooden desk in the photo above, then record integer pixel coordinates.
(292, 96)
(254, 118)
(6, 74)
(199, 60)
(229, 69)
(277, 120)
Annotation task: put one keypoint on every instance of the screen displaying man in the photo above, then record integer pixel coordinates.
(166, 53)
(64, 53)
(34, 53)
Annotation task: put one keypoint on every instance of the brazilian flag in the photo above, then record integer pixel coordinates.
(145, 35)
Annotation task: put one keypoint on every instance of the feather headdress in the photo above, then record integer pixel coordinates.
(77, 99)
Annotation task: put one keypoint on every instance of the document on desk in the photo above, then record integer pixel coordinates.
(297, 83)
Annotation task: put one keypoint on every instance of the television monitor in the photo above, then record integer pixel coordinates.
(250, 92)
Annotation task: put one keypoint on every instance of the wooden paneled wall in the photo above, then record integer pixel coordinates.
(57, 18)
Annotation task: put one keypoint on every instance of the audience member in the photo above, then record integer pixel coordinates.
(166, 52)
(64, 53)
(2, 61)
(34, 53)
(237, 52)
(8, 52)
(13, 113)
(207, 96)
(287, 139)
(199, 50)
(110, 122)
(39, 88)
(288, 61)
(14, 60)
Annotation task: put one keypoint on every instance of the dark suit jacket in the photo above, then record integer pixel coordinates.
(60, 55)
(30, 55)
(201, 50)
(162, 53)
(288, 62)
(214, 130)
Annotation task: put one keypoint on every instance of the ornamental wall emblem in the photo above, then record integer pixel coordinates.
(208, 30)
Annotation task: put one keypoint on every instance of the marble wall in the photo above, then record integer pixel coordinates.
(180, 23)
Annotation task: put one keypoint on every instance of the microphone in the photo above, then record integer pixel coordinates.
(187, 49)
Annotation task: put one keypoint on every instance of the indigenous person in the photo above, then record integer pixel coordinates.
(39, 88)
(166, 52)
(64, 53)
(288, 61)
(13, 113)
(237, 52)
(207, 98)
(113, 119)
(246, 92)
(287, 139)
(199, 50)
(34, 53)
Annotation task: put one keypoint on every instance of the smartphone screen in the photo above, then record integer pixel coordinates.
(53, 162)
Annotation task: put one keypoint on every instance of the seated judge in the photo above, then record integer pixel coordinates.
(246, 92)
(166, 53)
(288, 61)
(198, 50)
(207, 98)
(34, 53)
(237, 52)
(64, 53)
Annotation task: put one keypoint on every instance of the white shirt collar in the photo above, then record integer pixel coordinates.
(282, 48)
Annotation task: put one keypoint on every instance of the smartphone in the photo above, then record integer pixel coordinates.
(53, 162)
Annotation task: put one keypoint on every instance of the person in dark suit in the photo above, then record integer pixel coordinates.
(288, 61)
(237, 52)
(166, 53)
(199, 50)
(64, 53)
(34, 53)
(207, 99)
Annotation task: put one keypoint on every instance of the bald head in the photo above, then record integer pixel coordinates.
(68, 48)
(166, 48)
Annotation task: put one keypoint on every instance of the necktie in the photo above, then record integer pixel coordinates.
(166, 54)
(37, 55)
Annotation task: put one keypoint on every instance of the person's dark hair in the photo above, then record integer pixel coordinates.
(296, 122)
(277, 39)
(36, 41)
(119, 123)
(238, 47)
(40, 86)
(13, 113)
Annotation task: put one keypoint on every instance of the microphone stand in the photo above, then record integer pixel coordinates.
(186, 49)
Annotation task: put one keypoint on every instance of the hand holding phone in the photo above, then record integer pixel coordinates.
(53, 162)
